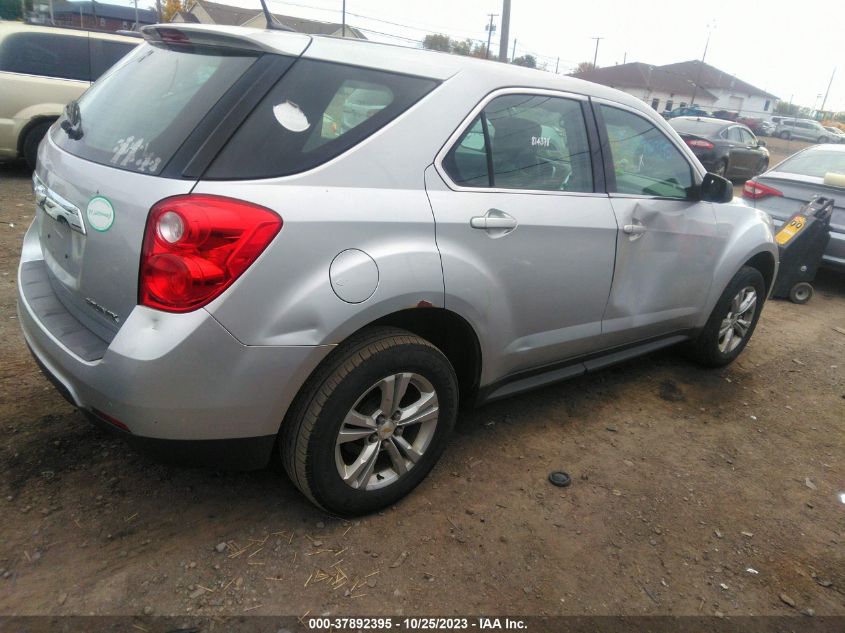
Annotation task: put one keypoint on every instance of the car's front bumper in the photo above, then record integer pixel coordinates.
(178, 382)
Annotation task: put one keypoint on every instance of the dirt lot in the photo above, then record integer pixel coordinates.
(695, 492)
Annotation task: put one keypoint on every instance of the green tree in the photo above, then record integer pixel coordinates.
(170, 8)
(438, 42)
(791, 109)
(529, 61)
(10, 10)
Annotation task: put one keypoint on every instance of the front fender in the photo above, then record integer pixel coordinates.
(747, 232)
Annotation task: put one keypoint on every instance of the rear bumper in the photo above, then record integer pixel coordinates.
(180, 383)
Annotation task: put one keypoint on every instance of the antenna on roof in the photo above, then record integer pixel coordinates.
(272, 24)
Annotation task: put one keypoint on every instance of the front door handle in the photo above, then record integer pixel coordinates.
(634, 229)
(497, 223)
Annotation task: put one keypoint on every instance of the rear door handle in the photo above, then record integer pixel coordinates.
(499, 222)
(634, 229)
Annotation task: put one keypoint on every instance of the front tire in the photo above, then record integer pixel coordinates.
(371, 423)
(732, 321)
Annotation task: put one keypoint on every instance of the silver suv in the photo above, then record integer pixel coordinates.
(802, 129)
(222, 273)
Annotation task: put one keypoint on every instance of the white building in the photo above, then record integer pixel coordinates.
(204, 12)
(685, 83)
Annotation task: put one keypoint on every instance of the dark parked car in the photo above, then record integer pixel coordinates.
(817, 170)
(723, 147)
(727, 115)
(684, 111)
(760, 127)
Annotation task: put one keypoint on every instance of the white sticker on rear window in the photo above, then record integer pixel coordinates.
(291, 117)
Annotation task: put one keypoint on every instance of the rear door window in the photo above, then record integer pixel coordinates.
(315, 112)
(138, 116)
(535, 142)
(747, 137)
(105, 54)
(46, 55)
(645, 161)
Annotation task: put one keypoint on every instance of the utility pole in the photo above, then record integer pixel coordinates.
(52, 19)
(343, 20)
(710, 28)
(557, 63)
(513, 51)
(490, 29)
(506, 26)
(158, 9)
(137, 23)
(827, 92)
(596, 56)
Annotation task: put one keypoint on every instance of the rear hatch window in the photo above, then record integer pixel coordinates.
(137, 115)
(815, 163)
(315, 112)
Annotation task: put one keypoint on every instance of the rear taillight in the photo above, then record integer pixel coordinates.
(755, 190)
(700, 143)
(195, 246)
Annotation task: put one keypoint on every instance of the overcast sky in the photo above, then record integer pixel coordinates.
(789, 49)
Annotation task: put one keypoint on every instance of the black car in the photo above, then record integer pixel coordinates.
(723, 147)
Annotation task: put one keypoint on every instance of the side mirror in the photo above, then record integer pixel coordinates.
(715, 189)
(761, 143)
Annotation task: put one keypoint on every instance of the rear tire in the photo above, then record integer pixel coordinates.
(32, 141)
(785, 136)
(732, 322)
(722, 169)
(336, 443)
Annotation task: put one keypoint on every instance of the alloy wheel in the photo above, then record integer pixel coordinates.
(737, 322)
(387, 431)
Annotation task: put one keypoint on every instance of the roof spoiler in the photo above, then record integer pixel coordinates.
(206, 35)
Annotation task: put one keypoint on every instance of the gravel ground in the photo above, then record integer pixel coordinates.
(695, 492)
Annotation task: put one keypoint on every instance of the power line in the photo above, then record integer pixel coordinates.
(448, 32)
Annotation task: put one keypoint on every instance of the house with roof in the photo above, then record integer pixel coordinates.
(659, 88)
(100, 16)
(685, 83)
(732, 94)
(204, 12)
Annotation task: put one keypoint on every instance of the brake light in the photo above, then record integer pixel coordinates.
(700, 143)
(172, 36)
(755, 190)
(195, 246)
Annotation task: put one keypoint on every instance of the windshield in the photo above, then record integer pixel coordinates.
(138, 114)
(815, 163)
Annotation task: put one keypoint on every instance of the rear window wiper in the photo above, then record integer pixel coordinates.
(72, 125)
